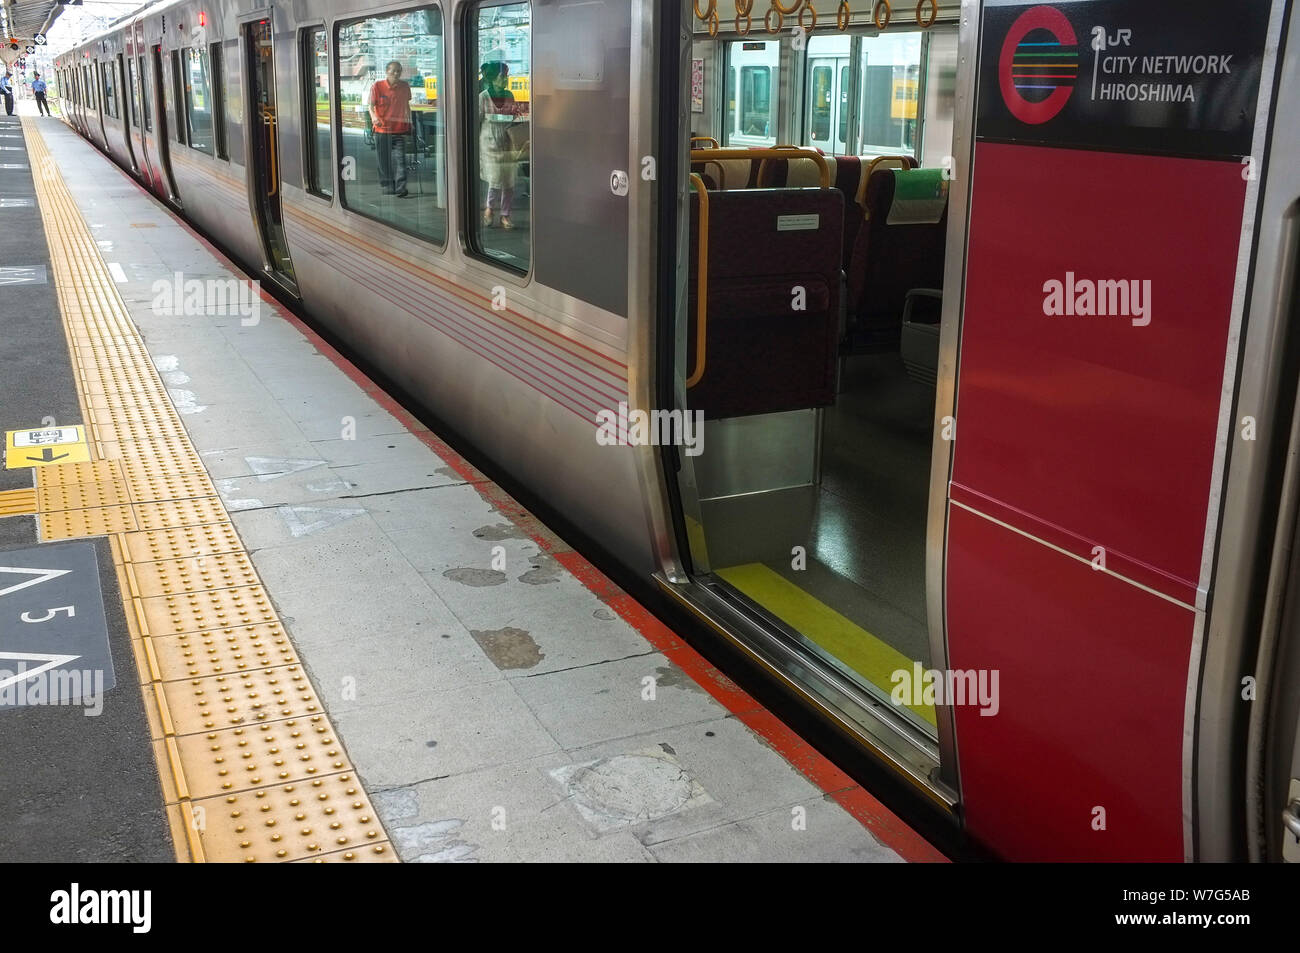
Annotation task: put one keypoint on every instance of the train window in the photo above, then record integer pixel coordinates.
(198, 99)
(499, 139)
(169, 104)
(218, 101)
(318, 112)
(146, 102)
(133, 93)
(890, 71)
(751, 108)
(110, 89)
(392, 134)
(176, 96)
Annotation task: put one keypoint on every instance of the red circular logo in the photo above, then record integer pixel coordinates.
(1039, 64)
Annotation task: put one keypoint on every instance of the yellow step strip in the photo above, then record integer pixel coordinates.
(853, 645)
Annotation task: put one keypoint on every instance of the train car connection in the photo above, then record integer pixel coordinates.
(941, 359)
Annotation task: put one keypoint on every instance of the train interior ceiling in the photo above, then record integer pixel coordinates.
(817, 381)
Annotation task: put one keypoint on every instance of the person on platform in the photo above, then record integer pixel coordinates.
(7, 91)
(38, 90)
(390, 112)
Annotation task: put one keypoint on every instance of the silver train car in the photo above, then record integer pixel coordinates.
(715, 281)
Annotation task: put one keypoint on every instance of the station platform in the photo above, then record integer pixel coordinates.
(320, 633)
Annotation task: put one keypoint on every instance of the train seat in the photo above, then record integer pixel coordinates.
(900, 246)
(770, 251)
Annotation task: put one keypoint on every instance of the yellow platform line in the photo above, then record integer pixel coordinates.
(248, 762)
(872, 658)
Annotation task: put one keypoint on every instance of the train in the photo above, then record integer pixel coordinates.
(936, 361)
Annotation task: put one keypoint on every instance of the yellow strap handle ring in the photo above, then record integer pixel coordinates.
(744, 8)
(882, 6)
(808, 8)
(780, 7)
(748, 23)
(843, 15)
(934, 13)
(707, 13)
(767, 19)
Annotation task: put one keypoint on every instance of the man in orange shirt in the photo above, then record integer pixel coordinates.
(390, 112)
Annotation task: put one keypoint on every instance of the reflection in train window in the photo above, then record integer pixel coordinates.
(754, 66)
(198, 99)
(218, 101)
(499, 104)
(146, 105)
(392, 135)
(110, 89)
(318, 120)
(134, 92)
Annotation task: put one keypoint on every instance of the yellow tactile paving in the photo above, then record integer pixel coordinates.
(182, 542)
(221, 651)
(17, 502)
(189, 512)
(242, 759)
(214, 609)
(325, 818)
(249, 764)
(247, 698)
(94, 521)
(192, 574)
(79, 496)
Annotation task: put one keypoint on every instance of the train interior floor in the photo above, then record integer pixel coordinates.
(859, 600)
(306, 610)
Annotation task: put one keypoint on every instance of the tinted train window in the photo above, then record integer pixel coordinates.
(392, 134)
(498, 103)
(218, 101)
(110, 89)
(319, 117)
(146, 104)
(198, 99)
(133, 94)
(177, 96)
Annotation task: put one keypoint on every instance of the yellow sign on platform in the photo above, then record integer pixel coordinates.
(46, 445)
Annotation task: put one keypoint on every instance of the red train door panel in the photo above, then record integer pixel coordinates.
(1107, 200)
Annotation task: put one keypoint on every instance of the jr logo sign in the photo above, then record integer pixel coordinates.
(1039, 65)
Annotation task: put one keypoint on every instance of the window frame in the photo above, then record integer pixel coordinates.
(310, 159)
(180, 121)
(109, 85)
(469, 200)
(336, 120)
(187, 90)
(217, 89)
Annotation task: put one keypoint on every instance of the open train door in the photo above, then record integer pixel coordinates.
(264, 151)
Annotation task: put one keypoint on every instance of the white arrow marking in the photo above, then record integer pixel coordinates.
(51, 661)
(305, 520)
(272, 468)
(45, 576)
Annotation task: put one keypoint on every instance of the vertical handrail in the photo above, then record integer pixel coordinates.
(701, 283)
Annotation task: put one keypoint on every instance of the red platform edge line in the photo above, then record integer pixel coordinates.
(880, 821)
